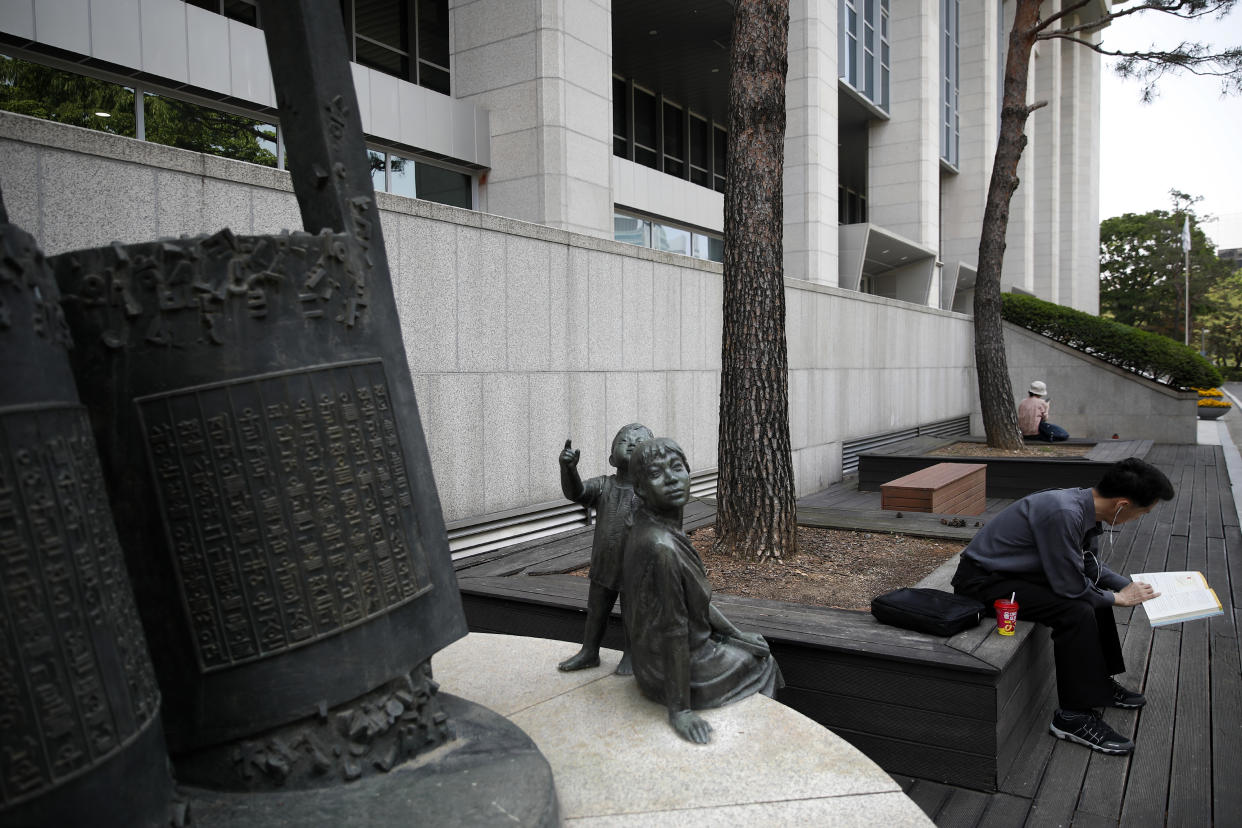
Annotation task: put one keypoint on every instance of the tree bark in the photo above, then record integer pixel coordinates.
(756, 513)
(1000, 417)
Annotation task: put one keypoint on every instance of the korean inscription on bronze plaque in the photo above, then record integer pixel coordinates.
(286, 505)
(67, 611)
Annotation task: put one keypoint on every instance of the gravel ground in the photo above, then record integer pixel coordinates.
(834, 567)
(1029, 450)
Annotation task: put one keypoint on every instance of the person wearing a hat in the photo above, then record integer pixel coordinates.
(1033, 415)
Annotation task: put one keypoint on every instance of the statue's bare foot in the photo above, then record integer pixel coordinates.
(580, 661)
(625, 668)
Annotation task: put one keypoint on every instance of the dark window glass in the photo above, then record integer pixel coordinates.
(202, 129)
(715, 249)
(619, 130)
(383, 21)
(381, 58)
(698, 142)
(42, 92)
(620, 147)
(433, 78)
(645, 119)
(674, 141)
(207, 5)
(445, 186)
(242, 11)
(646, 157)
(433, 32)
(720, 161)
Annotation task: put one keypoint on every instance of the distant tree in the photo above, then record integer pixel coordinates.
(1000, 419)
(755, 515)
(69, 98)
(1142, 268)
(1224, 320)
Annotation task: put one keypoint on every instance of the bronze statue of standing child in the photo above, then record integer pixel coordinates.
(612, 497)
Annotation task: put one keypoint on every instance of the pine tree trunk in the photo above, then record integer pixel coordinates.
(1000, 417)
(756, 514)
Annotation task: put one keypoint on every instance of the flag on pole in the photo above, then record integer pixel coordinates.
(1186, 235)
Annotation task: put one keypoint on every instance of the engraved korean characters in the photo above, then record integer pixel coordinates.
(284, 499)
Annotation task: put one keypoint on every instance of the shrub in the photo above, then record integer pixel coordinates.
(1208, 403)
(1146, 354)
(1208, 392)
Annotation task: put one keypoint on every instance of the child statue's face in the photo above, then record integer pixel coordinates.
(623, 445)
(665, 481)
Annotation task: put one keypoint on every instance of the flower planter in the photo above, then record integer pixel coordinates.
(1212, 412)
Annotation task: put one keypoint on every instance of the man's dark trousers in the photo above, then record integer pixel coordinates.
(1084, 638)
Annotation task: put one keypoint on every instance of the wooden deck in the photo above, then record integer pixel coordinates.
(1185, 768)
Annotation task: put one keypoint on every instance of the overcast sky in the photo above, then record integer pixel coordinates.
(1189, 138)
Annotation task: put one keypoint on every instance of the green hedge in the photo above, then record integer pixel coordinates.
(1147, 354)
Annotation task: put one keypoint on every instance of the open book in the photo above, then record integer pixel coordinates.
(1184, 596)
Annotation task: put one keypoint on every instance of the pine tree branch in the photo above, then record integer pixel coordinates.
(1215, 7)
(1191, 57)
(1068, 10)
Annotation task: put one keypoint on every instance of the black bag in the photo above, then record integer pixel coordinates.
(932, 611)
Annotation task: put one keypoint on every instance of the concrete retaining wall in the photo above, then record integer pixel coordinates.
(520, 336)
(1090, 398)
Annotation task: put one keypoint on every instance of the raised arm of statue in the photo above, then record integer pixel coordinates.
(571, 481)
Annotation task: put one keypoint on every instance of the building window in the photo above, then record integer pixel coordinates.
(646, 128)
(669, 238)
(244, 11)
(69, 98)
(949, 69)
(864, 48)
(656, 132)
(413, 178)
(54, 95)
(405, 38)
(191, 126)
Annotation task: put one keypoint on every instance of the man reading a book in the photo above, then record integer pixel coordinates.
(1043, 549)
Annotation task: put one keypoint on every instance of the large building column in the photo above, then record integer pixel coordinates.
(1045, 128)
(1019, 266)
(810, 178)
(964, 194)
(1080, 194)
(544, 70)
(903, 193)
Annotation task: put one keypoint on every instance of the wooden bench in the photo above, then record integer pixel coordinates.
(945, 488)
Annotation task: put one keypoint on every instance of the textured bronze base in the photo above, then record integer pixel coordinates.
(491, 774)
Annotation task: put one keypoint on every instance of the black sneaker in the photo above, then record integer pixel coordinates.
(1126, 699)
(1086, 727)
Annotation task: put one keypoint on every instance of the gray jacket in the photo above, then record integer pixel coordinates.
(1052, 536)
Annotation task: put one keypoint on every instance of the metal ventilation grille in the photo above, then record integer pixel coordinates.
(474, 536)
(850, 449)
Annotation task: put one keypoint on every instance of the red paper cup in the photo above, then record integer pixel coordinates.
(1006, 615)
